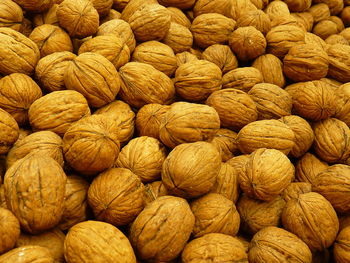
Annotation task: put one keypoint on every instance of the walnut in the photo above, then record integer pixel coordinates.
(194, 178)
(179, 17)
(340, 249)
(9, 131)
(311, 38)
(154, 190)
(93, 76)
(299, 5)
(214, 247)
(295, 189)
(222, 7)
(335, 6)
(179, 38)
(40, 182)
(11, 15)
(332, 140)
(48, 17)
(345, 33)
(253, 136)
(271, 101)
(133, 5)
(277, 9)
(35, 6)
(28, 254)
(91, 145)
(212, 28)
(304, 135)
(336, 39)
(271, 69)
(9, 229)
(225, 142)
(111, 47)
(157, 54)
(165, 214)
(184, 57)
(57, 111)
(308, 167)
(313, 219)
(312, 100)
(196, 80)
(113, 14)
(222, 56)
(319, 11)
(339, 22)
(19, 54)
(235, 108)
(287, 20)
(257, 19)
(40, 143)
(214, 213)
(78, 17)
(102, 6)
(178, 3)
(178, 125)
(345, 16)
(26, 27)
(143, 84)
(241, 7)
(2, 195)
(243, 78)
(325, 28)
(339, 62)
(343, 103)
(120, 4)
(100, 241)
(238, 163)
(305, 20)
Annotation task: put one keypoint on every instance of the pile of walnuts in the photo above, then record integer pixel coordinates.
(178, 131)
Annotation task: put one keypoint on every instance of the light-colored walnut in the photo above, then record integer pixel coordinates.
(271, 69)
(242, 78)
(179, 38)
(9, 229)
(222, 56)
(225, 142)
(257, 19)
(11, 15)
(308, 167)
(339, 62)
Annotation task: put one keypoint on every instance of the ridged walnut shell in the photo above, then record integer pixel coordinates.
(276, 244)
(190, 170)
(149, 233)
(304, 19)
(178, 37)
(184, 57)
(35, 6)
(34, 191)
(325, 28)
(271, 69)
(341, 246)
(339, 62)
(295, 189)
(11, 15)
(225, 142)
(313, 219)
(28, 254)
(116, 196)
(47, 17)
(266, 174)
(132, 6)
(102, 6)
(9, 131)
(209, 6)
(101, 242)
(222, 56)
(257, 19)
(178, 3)
(308, 167)
(343, 103)
(179, 17)
(154, 190)
(9, 230)
(243, 78)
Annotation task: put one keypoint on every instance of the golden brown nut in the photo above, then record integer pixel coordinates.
(240, 7)
(260, 4)
(238, 162)
(341, 245)
(271, 101)
(154, 190)
(188, 122)
(343, 103)
(312, 100)
(253, 136)
(9, 131)
(28, 254)
(133, 5)
(304, 20)
(214, 213)
(320, 11)
(113, 14)
(102, 6)
(345, 33)
(225, 142)
(9, 229)
(143, 84)
(243, 78)
(223, 7)
(111, 47)
(112, 244)
(304, 135)
(332, 140)
(93, 76)
(149, 233)
(78, 17)
(18, 92)
(311, 38)
(273, 243)
(345, 16)
(45, 143)
(222, 56)
(184, 57)
(183, 4)
(35, 6)
(156, 54)
(214, 247)
(91, 145)
(190, 169)
(179, 38)
(120, 4)
(336, 39)
(212, 28)
(2, 195)
(11, 15)
(179, 17)
(295, 189)
(335, 6)
(258, 19)
(26, 27)
(325, 28)
(40, 182)
(196, 80)
(298, 5)
(47, 17)
(271, 69)
(277, 9)
(313, 219)
(339, 62)
(338, 21)
(57, 111)
(308, 167)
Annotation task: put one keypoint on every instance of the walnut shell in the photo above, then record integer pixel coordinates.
(243, 78)
(304, 135)
(313, 219)
(143, 84)
(339, 22)
(179, 38)
(311, 38)
(149, 233)
(18, 92)
(343, 103)
(75, 202)
(93, 76)
(78, 17)
(26, 28)
(35, 6)
(91, 145)
(212, 28)
(345, 33)
(260, 4)
(2, 196)
(154, 190)
(188, 122)
(277, 9)
(253, 136)
(235, 108)
(238, 163)
(299, 5)
(149, 118)
(273, 243)
(196, 80)
(266, 174)
(214, 213)
(57, 111)
(271, 101)
(112, 14)
(225, 142)
(19, 54)
(190, 169)
(39, 143)
(101, 242)
(34, 191)
(121, 114)
(157, 54)
(178, 3)
(102, 6)
(179, 17)
(341, 245)
(312, 100)
(184, 57)
(320, 11)
(336, 39)
(214, 247)
(295, 189)
(271, 69)
(47, 17)
(325, 28)
(9, 131)
(52, 240)
(345, 16)
(132, 6)
(335, 6)
(116, 196)
(222, 56)
(9, 229)
(28, 254)
(11, 15)
(258, 19)
(339, 62)
(305, 20)
(332, 140)
(241, 7)
(308, 167)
